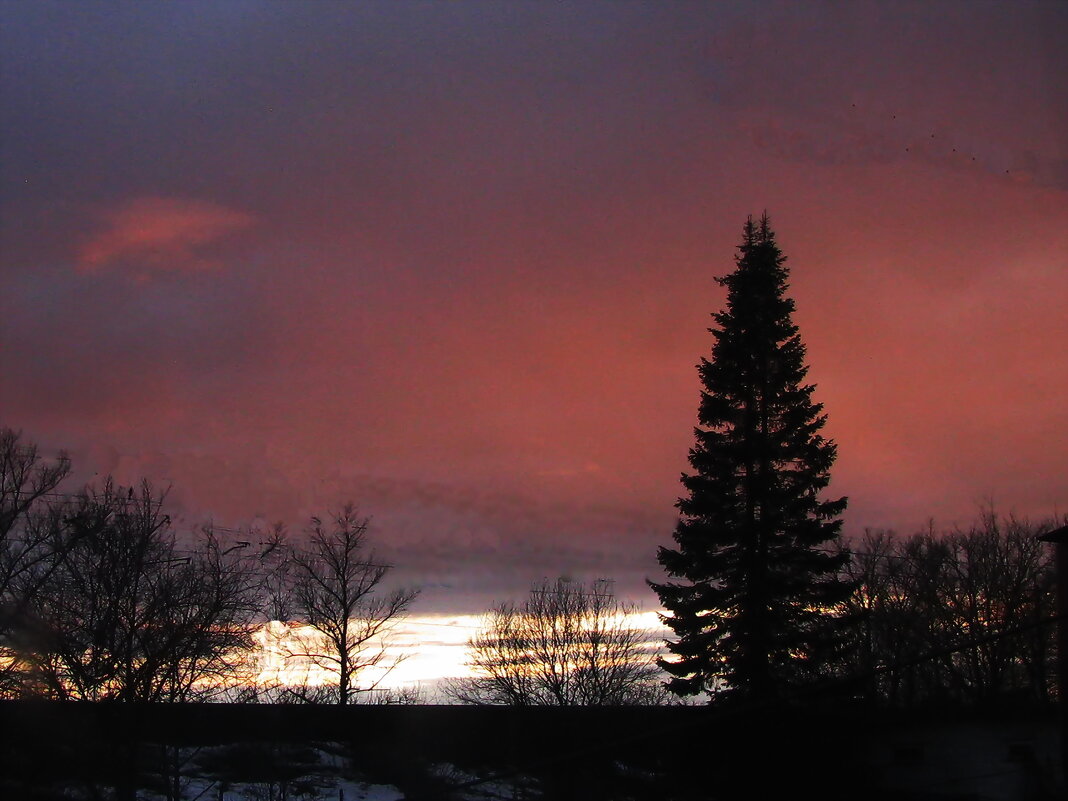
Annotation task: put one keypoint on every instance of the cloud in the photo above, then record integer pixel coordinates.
(845, 142)
(152, 234)
(483, 254)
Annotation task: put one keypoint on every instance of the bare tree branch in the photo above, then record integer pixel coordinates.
(336, 594)
(124, 615)
(568, 644)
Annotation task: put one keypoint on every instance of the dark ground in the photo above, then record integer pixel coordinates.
(830, 752)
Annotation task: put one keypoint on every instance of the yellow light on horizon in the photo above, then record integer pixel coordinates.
(420, 650)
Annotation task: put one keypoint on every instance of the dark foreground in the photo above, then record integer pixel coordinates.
(175, 751)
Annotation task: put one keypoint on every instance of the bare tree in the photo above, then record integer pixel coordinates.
(568, 644)
(276, 565)
(337, 598)
(25, 478)
(126, 615)
(32, 539)
(998, 578)
(932, 592)
(896, 582)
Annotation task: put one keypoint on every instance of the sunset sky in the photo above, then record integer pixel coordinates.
(455, 261)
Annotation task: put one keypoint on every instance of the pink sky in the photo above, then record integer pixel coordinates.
(456, 264)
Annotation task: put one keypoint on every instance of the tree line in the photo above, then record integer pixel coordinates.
(101, 597)
(764, 597)
(977, 602)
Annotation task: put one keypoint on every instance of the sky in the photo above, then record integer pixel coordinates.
(455, 261)
(418, 653)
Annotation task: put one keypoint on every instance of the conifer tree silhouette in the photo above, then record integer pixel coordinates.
(755, 600)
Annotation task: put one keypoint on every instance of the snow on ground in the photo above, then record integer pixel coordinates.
(486, 789)
(343, 790)
(319, 786)
(323, 777)
(326, 776)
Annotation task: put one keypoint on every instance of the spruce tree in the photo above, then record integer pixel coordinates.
(758, 583)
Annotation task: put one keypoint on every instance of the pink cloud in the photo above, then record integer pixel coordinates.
(152, 234)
